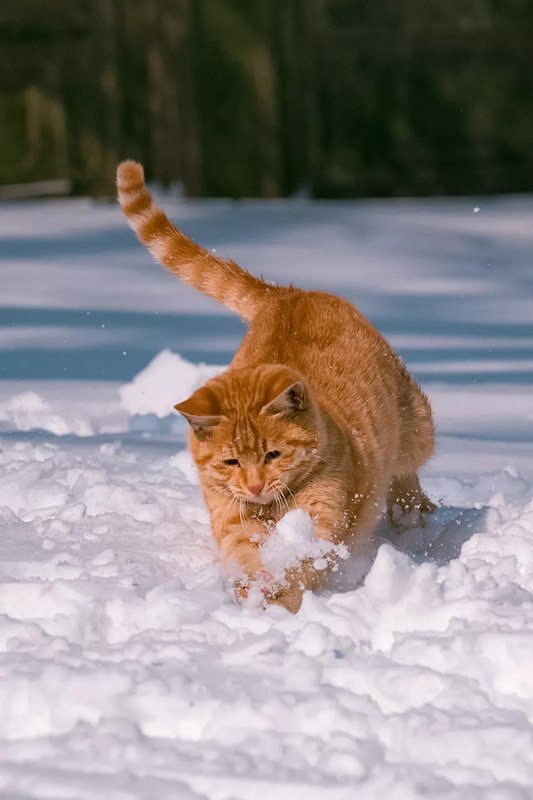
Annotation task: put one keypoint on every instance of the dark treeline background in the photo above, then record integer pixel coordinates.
(269, 97)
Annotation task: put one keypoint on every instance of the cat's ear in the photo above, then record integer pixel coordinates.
(202, 411)
(292, 398)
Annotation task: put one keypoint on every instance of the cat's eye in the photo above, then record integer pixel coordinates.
(272, 455)
(232, 462)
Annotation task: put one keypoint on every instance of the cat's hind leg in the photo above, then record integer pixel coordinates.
(407, 503)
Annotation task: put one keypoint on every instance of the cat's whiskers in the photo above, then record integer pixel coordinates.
(277, 500)
(242, 516)
(283, 497)
(228, 509)
(289, 491)
(224, 491)
(280, 498)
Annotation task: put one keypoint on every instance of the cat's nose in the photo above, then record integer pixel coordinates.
(256, 489)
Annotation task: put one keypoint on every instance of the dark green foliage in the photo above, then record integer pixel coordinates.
(267, 97)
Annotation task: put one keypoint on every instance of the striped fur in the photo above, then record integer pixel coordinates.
(316, 412)
(221, 279)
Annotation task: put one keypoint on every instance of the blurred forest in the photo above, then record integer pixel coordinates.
(266, 98)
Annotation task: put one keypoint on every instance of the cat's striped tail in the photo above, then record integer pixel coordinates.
(216, 277)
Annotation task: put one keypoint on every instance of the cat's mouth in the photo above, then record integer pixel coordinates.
(264, 498)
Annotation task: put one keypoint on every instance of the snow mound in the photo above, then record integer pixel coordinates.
(87, 408)
(31, 410)
(166, 380)
(293, 540)
(28, 411)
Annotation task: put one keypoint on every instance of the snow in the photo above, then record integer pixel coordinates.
(127, 670)
(168, 379)
(292, 541)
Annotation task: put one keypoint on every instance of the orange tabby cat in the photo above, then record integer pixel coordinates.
(315, 412)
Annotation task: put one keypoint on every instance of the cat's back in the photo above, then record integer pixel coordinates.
(323, 336)
(353, 372)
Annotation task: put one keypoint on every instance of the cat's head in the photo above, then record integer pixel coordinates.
(256, 431)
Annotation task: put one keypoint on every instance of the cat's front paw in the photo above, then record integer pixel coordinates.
(254, 591)
(263, 591)
(290, 597)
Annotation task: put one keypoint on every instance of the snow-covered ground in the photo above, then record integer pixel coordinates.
(126, 669)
